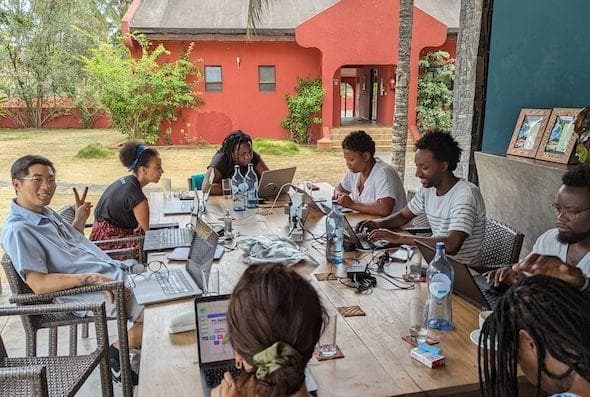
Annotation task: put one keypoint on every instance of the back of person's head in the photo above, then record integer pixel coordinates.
(20, 168)
(359, 141)
(555, 315)
(233, 141)
(578, 176)
(270, 304)
(442, 146)
(135, 154)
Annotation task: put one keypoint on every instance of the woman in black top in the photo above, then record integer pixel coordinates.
(123, 209)
(236, 149)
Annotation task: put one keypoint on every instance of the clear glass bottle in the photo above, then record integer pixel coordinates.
(335, 235)
(440, 276)
(238, 189)
(252, 182)
(227, 230)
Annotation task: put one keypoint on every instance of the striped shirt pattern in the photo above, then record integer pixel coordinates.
(461, 209)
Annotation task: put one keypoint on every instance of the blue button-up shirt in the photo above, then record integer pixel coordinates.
(45, 243)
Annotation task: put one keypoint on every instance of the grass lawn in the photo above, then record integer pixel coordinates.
(61, 146)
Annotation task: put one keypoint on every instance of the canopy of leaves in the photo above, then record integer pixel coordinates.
(435, 92)
(304, 108)
(140, 94)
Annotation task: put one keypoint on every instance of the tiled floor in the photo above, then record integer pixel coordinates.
(12, 331)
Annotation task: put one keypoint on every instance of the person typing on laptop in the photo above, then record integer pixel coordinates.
(564, 251)
(236, 149)
(51, 255)
(454, 207)
(274, 321)
(371, 186)
(123, 209)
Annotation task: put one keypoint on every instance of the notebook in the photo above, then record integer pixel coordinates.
(271, 181)
(474, 289)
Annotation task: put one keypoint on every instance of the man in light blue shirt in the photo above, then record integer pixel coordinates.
(50, 254)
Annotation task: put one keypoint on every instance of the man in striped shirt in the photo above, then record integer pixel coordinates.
(454, 207)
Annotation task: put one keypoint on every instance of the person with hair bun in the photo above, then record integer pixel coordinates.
(541, 325)
(275, 318)
(123, 209)
(236, 149)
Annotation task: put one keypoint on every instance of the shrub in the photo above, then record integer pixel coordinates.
(276, 147)
(435, 92)
(304, 107)
(94, 150)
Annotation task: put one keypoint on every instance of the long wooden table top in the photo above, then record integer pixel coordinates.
(377, 361)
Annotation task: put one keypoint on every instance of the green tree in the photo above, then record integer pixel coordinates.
(140, 94)
(304, 107)
(435, 92)
(38, 49)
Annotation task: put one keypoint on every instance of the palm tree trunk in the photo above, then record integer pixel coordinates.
(402, 87)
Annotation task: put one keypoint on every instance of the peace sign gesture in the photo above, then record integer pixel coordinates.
(82, 209)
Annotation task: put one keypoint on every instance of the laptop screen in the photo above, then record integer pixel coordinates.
(202, 252)
(212, 330)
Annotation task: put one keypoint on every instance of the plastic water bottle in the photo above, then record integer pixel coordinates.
(440, 276)
(252, 182)
(335, 235)
(238, 189)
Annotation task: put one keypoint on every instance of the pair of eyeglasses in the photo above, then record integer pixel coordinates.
(38, 180)
(151, 268)
(569, 214)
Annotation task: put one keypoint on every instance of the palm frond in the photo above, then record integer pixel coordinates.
(255, 10)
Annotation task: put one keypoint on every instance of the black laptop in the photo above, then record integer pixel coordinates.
(473, 288)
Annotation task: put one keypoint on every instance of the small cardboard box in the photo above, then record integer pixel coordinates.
(431, 360)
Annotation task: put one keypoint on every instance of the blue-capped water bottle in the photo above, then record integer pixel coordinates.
(252, 192)
(238, 189)
(440, 276)
(335, 235)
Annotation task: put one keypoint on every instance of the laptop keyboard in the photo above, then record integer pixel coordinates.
(173, 283)
(213, 376)
(174, 237)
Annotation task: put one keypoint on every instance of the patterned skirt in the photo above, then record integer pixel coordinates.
(103, 230)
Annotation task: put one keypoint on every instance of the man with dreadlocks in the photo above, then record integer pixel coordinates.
(543, 325)
(564, 251)
(236, 149)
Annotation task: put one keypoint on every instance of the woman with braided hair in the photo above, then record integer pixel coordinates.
(541, 324)
(274, 323)
(235, 149)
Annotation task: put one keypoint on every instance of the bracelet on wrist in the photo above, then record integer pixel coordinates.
(585, 285)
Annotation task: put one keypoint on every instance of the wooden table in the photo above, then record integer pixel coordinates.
(377, 361)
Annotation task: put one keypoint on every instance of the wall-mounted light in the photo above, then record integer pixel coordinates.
(238, 60)
(336, 81)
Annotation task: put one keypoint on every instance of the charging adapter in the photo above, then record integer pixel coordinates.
(356, 271)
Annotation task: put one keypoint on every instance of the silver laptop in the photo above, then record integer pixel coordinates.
(216, 354)
(176, 206)
(475, 289)
(360, 241)
(162, 239)
(271, 181)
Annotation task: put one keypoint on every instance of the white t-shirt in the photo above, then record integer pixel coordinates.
(383, 181)
(461, 209)
(547, 244)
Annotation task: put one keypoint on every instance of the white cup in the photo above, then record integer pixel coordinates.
(482, 317)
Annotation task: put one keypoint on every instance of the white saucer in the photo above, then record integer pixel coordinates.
(474, 336)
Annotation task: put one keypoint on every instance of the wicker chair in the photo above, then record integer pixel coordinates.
(501, 245)
(56, 375)
(23, 295)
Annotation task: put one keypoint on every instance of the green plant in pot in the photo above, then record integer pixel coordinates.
(582, 129)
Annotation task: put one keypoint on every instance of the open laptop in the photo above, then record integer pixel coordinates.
(473, 288)
(162, 239)
(271, 181)
(360, 241)
(216, 354)
(176, 206)
(322, 206)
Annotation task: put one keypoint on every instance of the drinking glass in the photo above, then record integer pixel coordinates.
(167, 186)
(211, 281)
(414, 263)
(226, 186)
(418, 312)
(327, 342)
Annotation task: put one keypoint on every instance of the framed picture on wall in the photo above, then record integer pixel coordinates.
(559, 139)
(528, 132)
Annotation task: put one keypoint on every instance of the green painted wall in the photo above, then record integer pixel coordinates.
(539, 58)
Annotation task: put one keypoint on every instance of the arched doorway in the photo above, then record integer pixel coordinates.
(346, 101)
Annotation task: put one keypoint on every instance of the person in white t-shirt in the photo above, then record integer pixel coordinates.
(371, 186)
(564, 251)
(454, 207)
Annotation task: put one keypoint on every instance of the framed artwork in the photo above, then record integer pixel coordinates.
(528, 132)
(559, 139)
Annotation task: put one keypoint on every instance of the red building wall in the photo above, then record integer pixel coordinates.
(240, 105)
